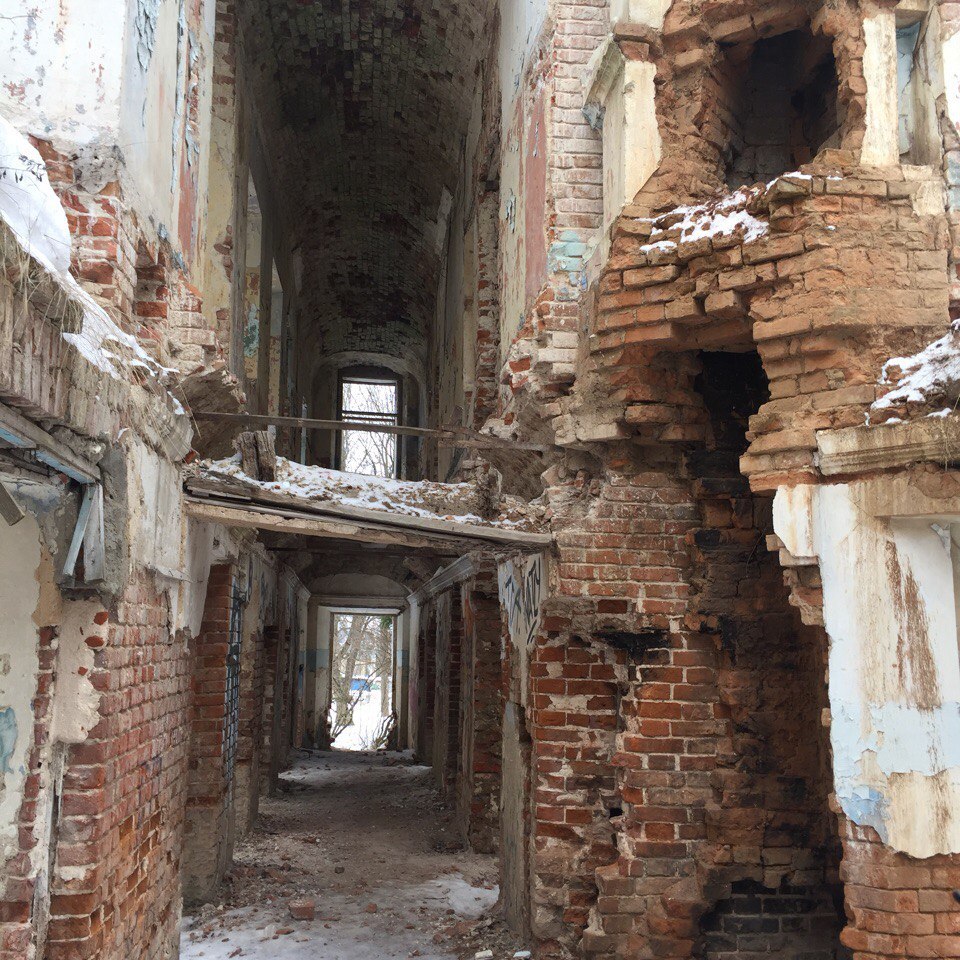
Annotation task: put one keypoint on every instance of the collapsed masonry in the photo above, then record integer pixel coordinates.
(664, 294)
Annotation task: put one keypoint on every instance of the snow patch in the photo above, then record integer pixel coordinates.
(31, 209)
(717, 218)
(930, 376)
(413, 498)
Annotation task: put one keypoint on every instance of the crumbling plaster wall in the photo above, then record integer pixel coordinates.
(894, 672)
(20, 551)
(140, 74)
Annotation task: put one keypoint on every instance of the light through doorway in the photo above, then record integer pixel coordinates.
(362, 715)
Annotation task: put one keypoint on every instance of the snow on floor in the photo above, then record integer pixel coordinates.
(364, 836)
(367, 720)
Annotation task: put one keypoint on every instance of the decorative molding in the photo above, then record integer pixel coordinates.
(865, 449)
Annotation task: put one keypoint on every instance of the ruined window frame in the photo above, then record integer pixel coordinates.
(374, 376)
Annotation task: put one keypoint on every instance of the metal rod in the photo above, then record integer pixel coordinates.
(453, 435)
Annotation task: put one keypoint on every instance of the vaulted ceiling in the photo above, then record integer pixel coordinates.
(363, 110)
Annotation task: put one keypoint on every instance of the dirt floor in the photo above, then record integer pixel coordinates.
(363, 837)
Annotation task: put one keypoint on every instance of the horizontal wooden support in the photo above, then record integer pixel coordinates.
(414, 533)
(446, 436)
(23, 434)
(294, 515)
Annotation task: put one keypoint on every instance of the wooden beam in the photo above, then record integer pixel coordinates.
(23, 434)
(451, 436)
(285, 521)
(235, 489)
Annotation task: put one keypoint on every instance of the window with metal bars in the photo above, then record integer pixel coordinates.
(369, 399)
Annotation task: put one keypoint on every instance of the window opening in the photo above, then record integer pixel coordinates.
(369, 401)
(918, 127)
(783, 106)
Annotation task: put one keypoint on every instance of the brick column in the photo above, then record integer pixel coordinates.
(481, 709)
(208, 828)
(898, 908)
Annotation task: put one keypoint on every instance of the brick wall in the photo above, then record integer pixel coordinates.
(898, 907)
(673, 757)
(121, 809)
(426, 683)
(575, 693)
(446, 712)
(252, 729)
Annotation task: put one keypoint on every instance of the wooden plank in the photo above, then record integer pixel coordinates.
(266, 456)
(281, 521)
(79, 531)
(247, 448)
(232, 487)
(10, 510)
(454, 436)
(94, 544)
(23, 433)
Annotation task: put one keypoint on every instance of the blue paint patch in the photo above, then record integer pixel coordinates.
(868, 808)
(568, 255)
(8, 738)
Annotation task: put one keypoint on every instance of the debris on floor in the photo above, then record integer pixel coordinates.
(343, 865)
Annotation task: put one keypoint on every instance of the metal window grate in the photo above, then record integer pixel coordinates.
(231, 727)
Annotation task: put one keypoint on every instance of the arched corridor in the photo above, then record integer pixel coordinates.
(477, 479)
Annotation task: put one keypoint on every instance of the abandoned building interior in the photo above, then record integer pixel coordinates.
(477, 479)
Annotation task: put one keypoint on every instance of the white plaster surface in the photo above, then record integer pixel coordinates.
(77, 703)
(881, 144)
(650, 13)
(61, 66)
(19, 663)
(894, 670)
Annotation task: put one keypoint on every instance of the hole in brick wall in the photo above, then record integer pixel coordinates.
(772, 782)
(790, 923)
(641, 646)
(781, 105)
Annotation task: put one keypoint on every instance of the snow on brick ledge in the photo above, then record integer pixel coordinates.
(925, 384)
(471, 503)
(32, 211)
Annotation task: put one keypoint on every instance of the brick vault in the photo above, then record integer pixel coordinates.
(556, 397)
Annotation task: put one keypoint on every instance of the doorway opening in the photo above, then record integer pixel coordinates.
(362, 702)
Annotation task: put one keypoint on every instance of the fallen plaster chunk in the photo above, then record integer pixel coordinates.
(31, 209)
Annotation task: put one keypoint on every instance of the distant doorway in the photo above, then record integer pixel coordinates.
(362, 715)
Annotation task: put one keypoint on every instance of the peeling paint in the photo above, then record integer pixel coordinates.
(894, 674)
(145, 24)
(8, 738)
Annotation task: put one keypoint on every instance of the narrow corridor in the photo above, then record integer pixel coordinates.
(364, 837)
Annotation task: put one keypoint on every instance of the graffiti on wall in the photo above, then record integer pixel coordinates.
(522, 585)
